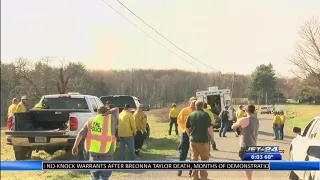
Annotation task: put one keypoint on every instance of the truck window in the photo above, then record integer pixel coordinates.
(93, 103)
(99, 103)
(118, 101)
(65, 103)
(306, 129)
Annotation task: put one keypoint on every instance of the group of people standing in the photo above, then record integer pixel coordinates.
(131, 131)
(18, 106)
(196, 124)
(102, 132)
(278, 125)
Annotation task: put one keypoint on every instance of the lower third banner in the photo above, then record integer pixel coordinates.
(158, 165)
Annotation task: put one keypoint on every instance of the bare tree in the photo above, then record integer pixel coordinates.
(24, 68)
(307, 55)
(65, 72)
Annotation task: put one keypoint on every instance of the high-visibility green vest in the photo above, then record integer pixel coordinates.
(101, 134)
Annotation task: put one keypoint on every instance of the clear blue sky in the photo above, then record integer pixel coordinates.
(228, 35)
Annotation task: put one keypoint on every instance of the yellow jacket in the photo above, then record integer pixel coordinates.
(141, 122)
(182, 118)
(276, 119)
(240, 114)
(21, 107)
(282, 119)
(213, 120)
(126, 124)
(12, 109)
(174, 112)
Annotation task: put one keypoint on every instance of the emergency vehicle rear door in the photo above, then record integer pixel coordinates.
(201, 98)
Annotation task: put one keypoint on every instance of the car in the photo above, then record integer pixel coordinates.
(265, 110)
(53, 128)
(306, 147)
(146, 107)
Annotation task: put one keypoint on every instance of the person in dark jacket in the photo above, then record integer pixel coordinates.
(224, 116)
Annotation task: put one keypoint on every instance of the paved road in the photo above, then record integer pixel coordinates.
(228, 149)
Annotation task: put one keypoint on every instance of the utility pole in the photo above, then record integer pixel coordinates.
(266, 97)
(234, 75)
(132, 82)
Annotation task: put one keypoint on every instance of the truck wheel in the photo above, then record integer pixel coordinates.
(22, 152)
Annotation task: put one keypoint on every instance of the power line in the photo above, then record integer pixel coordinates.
(148, 34)
(165, 37)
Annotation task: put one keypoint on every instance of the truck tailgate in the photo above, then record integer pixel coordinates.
(49, 133)
(37, 138)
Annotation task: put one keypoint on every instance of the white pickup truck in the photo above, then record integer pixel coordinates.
(53, 128)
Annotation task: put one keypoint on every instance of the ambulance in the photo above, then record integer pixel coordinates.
(218, 98)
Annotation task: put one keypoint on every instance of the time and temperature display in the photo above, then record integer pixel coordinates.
(263, 153)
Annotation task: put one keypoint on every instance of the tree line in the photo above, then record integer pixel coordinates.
(159, 88)
(155, 87)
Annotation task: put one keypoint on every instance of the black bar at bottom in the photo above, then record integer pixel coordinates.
(156, 166)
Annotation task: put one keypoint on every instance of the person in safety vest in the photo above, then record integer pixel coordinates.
(127, 130)
(21, 107)
(181, 120)
(100, 141)
(141, 123)
(12, 108)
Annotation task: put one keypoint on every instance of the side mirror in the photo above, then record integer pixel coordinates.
(297, 130)
(314, 151)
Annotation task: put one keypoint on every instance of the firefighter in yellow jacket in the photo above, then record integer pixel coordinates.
(207, 109)
(21, 107)
(181, 120)
(141, 124)
(100, 140)
(12, 108)
(173, 114)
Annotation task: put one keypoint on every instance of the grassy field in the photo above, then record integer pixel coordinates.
(301, 115)
(158, 147)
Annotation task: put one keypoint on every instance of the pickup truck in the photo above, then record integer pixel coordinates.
(53, 128)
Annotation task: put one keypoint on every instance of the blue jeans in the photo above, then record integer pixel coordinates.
(224, 127)
(276, 130)
(99, 174)
(127, 141)
(184, 147)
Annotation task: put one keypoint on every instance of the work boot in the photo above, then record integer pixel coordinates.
(179, 173)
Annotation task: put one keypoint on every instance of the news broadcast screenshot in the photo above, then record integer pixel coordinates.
(162, 89)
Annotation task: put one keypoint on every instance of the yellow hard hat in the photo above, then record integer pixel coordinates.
(208, 107)
(38, 106)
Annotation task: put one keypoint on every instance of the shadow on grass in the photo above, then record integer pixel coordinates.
(271, 134)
